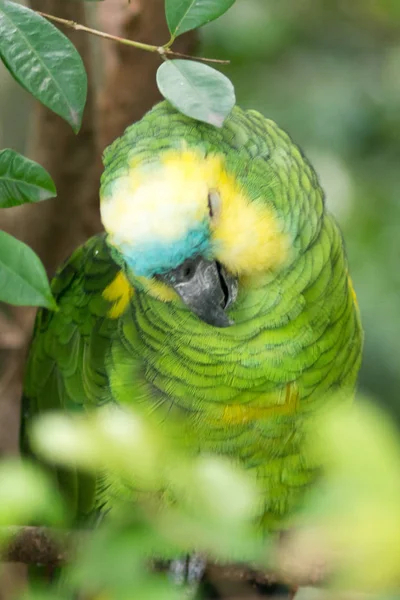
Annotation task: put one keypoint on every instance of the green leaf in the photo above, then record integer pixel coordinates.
(22, 180)
(184, 15)
(23, 279)
(43, 61)
(196, 90)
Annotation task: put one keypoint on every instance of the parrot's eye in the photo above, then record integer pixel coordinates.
(214, 203)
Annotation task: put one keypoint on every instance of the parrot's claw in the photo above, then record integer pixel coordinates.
(188, 570)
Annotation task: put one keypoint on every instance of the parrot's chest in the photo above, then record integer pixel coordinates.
(258, 428)
(219, 384)
(220, 398)
(215, 392)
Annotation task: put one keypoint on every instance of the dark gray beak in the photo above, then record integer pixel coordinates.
(205, 287)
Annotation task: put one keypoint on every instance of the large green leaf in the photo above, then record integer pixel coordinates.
(184, 15)
(22, 180)
(196, 90)
(23, 279)
(43, 61)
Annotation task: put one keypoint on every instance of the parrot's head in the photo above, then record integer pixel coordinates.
(185, 226)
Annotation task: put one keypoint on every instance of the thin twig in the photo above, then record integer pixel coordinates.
(218, 61)
(162, 50)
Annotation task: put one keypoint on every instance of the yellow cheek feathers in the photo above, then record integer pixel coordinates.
(247, 235)
(157, 289)
(119, 293)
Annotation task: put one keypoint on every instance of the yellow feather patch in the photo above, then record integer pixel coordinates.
(247, 235)
(352, 291)
(157, 289)
(284, 402)
(119, 292)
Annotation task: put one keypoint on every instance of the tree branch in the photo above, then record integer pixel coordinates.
(162, 50)
(37, 545)
(41, 545)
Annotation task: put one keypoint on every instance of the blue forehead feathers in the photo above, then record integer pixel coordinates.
(150, 258)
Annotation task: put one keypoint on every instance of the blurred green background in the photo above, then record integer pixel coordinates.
(328, 71)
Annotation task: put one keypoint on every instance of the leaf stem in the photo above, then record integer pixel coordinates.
(172, 54)
(161, 50)
(170, 42)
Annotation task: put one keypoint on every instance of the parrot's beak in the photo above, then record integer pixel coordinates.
(205, 287)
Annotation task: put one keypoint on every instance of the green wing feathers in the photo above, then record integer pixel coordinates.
(66, 368)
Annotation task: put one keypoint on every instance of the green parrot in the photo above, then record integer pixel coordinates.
(218, 300)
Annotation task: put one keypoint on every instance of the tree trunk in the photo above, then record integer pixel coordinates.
(55, 227)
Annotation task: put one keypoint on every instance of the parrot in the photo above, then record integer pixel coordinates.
(217, 298)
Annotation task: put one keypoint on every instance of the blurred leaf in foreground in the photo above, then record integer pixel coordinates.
(27, 494)
(351, 525)
(195, 501)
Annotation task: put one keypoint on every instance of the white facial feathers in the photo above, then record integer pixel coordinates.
(162, 205)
